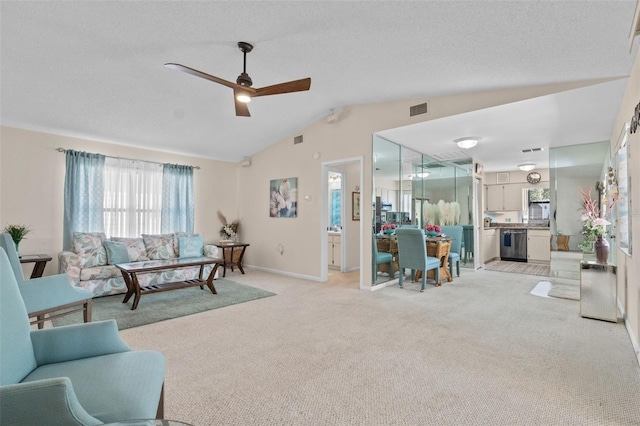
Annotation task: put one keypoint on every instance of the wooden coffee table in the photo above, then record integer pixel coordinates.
(130, 273)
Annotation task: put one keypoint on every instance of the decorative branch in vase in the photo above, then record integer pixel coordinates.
(18, 233)
(229, 231)
(594, 226)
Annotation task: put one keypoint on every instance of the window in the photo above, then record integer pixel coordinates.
(132, 197)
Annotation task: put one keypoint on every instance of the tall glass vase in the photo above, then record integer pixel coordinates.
(17, 243)
(602, 249)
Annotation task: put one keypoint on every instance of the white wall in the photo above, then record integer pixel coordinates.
(629, 267)
(32, 186)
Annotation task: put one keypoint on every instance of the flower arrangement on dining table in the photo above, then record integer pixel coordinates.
(228, 230)
(433, 230)
(594, 226)
(388, 228)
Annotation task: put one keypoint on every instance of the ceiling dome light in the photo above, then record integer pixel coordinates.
(466, 143)
(526, 167)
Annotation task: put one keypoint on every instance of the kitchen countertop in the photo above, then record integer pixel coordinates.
(517, 226)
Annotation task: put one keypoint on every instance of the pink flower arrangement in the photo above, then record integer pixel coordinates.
(388, 226)
(433, 228)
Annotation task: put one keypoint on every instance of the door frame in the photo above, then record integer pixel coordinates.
(324, 217)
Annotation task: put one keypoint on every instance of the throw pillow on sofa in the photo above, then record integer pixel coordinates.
(88, 246)
(116, 252)
(135, 247)
(190, 246)
(159, 247)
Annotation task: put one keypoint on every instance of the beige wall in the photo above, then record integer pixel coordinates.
(350, 137)
(32, 179)
(32, 182)
(630, 267)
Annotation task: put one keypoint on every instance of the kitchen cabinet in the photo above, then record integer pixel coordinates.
(335, 250)
(503, 197)
(490, 245)
(538, 245)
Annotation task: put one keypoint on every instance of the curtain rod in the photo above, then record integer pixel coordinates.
(63, 150)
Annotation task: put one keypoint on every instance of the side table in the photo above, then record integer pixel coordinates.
(232, 254)
(40, 261)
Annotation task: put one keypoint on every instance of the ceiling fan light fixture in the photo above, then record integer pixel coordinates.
(466, 143)
(526, 167)
(244, 98)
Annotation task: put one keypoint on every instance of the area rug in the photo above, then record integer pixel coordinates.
(565, 291)
(166, 305)
(518, 268)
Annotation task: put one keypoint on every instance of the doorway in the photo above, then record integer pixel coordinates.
(341, 226)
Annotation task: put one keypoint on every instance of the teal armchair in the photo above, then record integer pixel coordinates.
(412, 253)
(47, 297)
(81, 374)
(455, 232)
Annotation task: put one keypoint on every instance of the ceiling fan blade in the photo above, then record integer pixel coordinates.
(242, 109)
(206, 76)
(288, 87)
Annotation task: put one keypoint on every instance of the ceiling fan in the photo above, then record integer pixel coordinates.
(242, 90)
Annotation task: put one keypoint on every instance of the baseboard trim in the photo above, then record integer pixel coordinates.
(627, 325)
(279, 272)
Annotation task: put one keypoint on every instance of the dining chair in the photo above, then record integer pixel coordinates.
(412, 254)
(47, 297)
(455, 232)
(380, 258)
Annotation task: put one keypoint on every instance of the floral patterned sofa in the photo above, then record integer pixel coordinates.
(91, 262)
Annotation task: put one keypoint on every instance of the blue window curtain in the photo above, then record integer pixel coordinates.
(177, 198)
(83, 194)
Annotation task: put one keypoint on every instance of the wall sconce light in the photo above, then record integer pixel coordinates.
(526, 167)
(466, 143)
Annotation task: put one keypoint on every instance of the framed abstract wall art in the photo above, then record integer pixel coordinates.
(283, 198)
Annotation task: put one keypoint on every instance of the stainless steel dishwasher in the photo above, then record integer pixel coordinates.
(513, 244)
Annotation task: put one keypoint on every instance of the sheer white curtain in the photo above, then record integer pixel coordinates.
(132, 197)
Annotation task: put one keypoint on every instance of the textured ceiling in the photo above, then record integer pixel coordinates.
(95, 69)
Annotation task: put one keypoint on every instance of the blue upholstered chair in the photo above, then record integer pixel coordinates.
(380, 258)
(47, 297)
(81, 374)
(412, 254)
(455, 232)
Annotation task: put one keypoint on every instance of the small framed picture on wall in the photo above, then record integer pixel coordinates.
(355, 199)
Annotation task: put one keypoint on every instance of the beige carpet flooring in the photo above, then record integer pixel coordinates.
(478, 351)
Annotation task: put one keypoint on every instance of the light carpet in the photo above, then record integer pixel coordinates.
(565, 291)
(518, 268)
(166, 305)
(477, 351)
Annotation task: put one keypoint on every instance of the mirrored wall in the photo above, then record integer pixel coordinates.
(413, 189)
(572, 168)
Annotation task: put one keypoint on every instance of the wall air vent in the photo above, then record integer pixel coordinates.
(297, 140)
(418, 109)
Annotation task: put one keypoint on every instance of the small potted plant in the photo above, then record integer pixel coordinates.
(389, 228)
(17, 232)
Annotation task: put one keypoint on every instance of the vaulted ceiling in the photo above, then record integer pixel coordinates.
(95, 69)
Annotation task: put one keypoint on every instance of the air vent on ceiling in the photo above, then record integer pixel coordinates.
(532, 150)
(450, 155)
(418, 109)
(297, 140)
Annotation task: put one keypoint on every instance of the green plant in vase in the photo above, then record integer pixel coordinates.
(18, 233)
